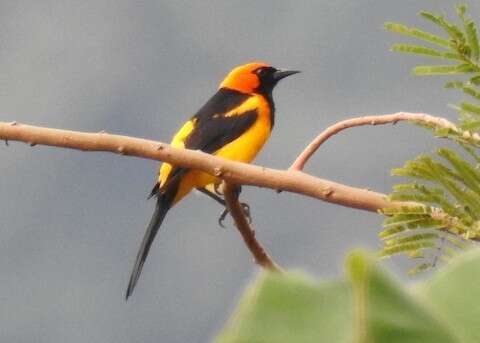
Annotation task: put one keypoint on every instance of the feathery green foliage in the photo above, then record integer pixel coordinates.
(460, 48)
(445, 187)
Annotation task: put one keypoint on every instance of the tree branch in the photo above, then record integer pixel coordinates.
(261, 257)
(233, 173)
(230, 171)
(302, 159)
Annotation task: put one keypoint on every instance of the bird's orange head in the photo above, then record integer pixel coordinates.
(256, 77)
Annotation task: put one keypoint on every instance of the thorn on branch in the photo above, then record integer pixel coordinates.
(32, 144)
(217, 171)
(13, 123)
(328, 192)
(121, 150)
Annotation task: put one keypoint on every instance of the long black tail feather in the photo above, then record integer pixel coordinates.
(161, 209)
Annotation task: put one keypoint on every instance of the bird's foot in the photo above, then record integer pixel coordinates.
(222, 217)
(246, 212)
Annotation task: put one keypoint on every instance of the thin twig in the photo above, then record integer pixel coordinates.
(248, 234)
(302, 159)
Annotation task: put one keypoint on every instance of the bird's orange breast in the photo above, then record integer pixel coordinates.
(246, 147)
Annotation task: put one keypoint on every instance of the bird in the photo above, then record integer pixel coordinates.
(233, 124)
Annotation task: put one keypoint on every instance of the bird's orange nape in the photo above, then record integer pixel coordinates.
(243, 78)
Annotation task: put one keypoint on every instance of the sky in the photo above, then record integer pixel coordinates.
(71, 222)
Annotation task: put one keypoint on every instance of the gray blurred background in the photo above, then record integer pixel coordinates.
(71, 222)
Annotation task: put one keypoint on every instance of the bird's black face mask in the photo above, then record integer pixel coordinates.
(269, 77)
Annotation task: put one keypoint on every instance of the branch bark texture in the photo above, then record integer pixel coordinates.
(230, 171)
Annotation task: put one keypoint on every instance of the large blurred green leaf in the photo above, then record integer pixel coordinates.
(369, 307)
(391, 313)
(455, 293)
(291, 308)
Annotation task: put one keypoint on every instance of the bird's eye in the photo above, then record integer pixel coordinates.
(261, 71)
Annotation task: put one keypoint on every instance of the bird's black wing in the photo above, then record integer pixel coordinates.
(212, 129)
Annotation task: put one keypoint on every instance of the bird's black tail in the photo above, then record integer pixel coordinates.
(161, 209)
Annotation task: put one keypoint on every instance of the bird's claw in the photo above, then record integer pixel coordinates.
(217, 189)
(246, 212)
(222, 217)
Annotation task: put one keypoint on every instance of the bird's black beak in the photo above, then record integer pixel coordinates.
(281, 74)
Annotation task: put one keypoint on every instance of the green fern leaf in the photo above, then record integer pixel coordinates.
(452, 30)
(475, 80)
(454, 84)
(390, 231)
(420, 268)
(443, 69)
(470, 108)
(412, 238)
(470, 32)
(421, 50)
(418, 34)
(471, 91)
(468, 175)
(472, 39)
(402, 248)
